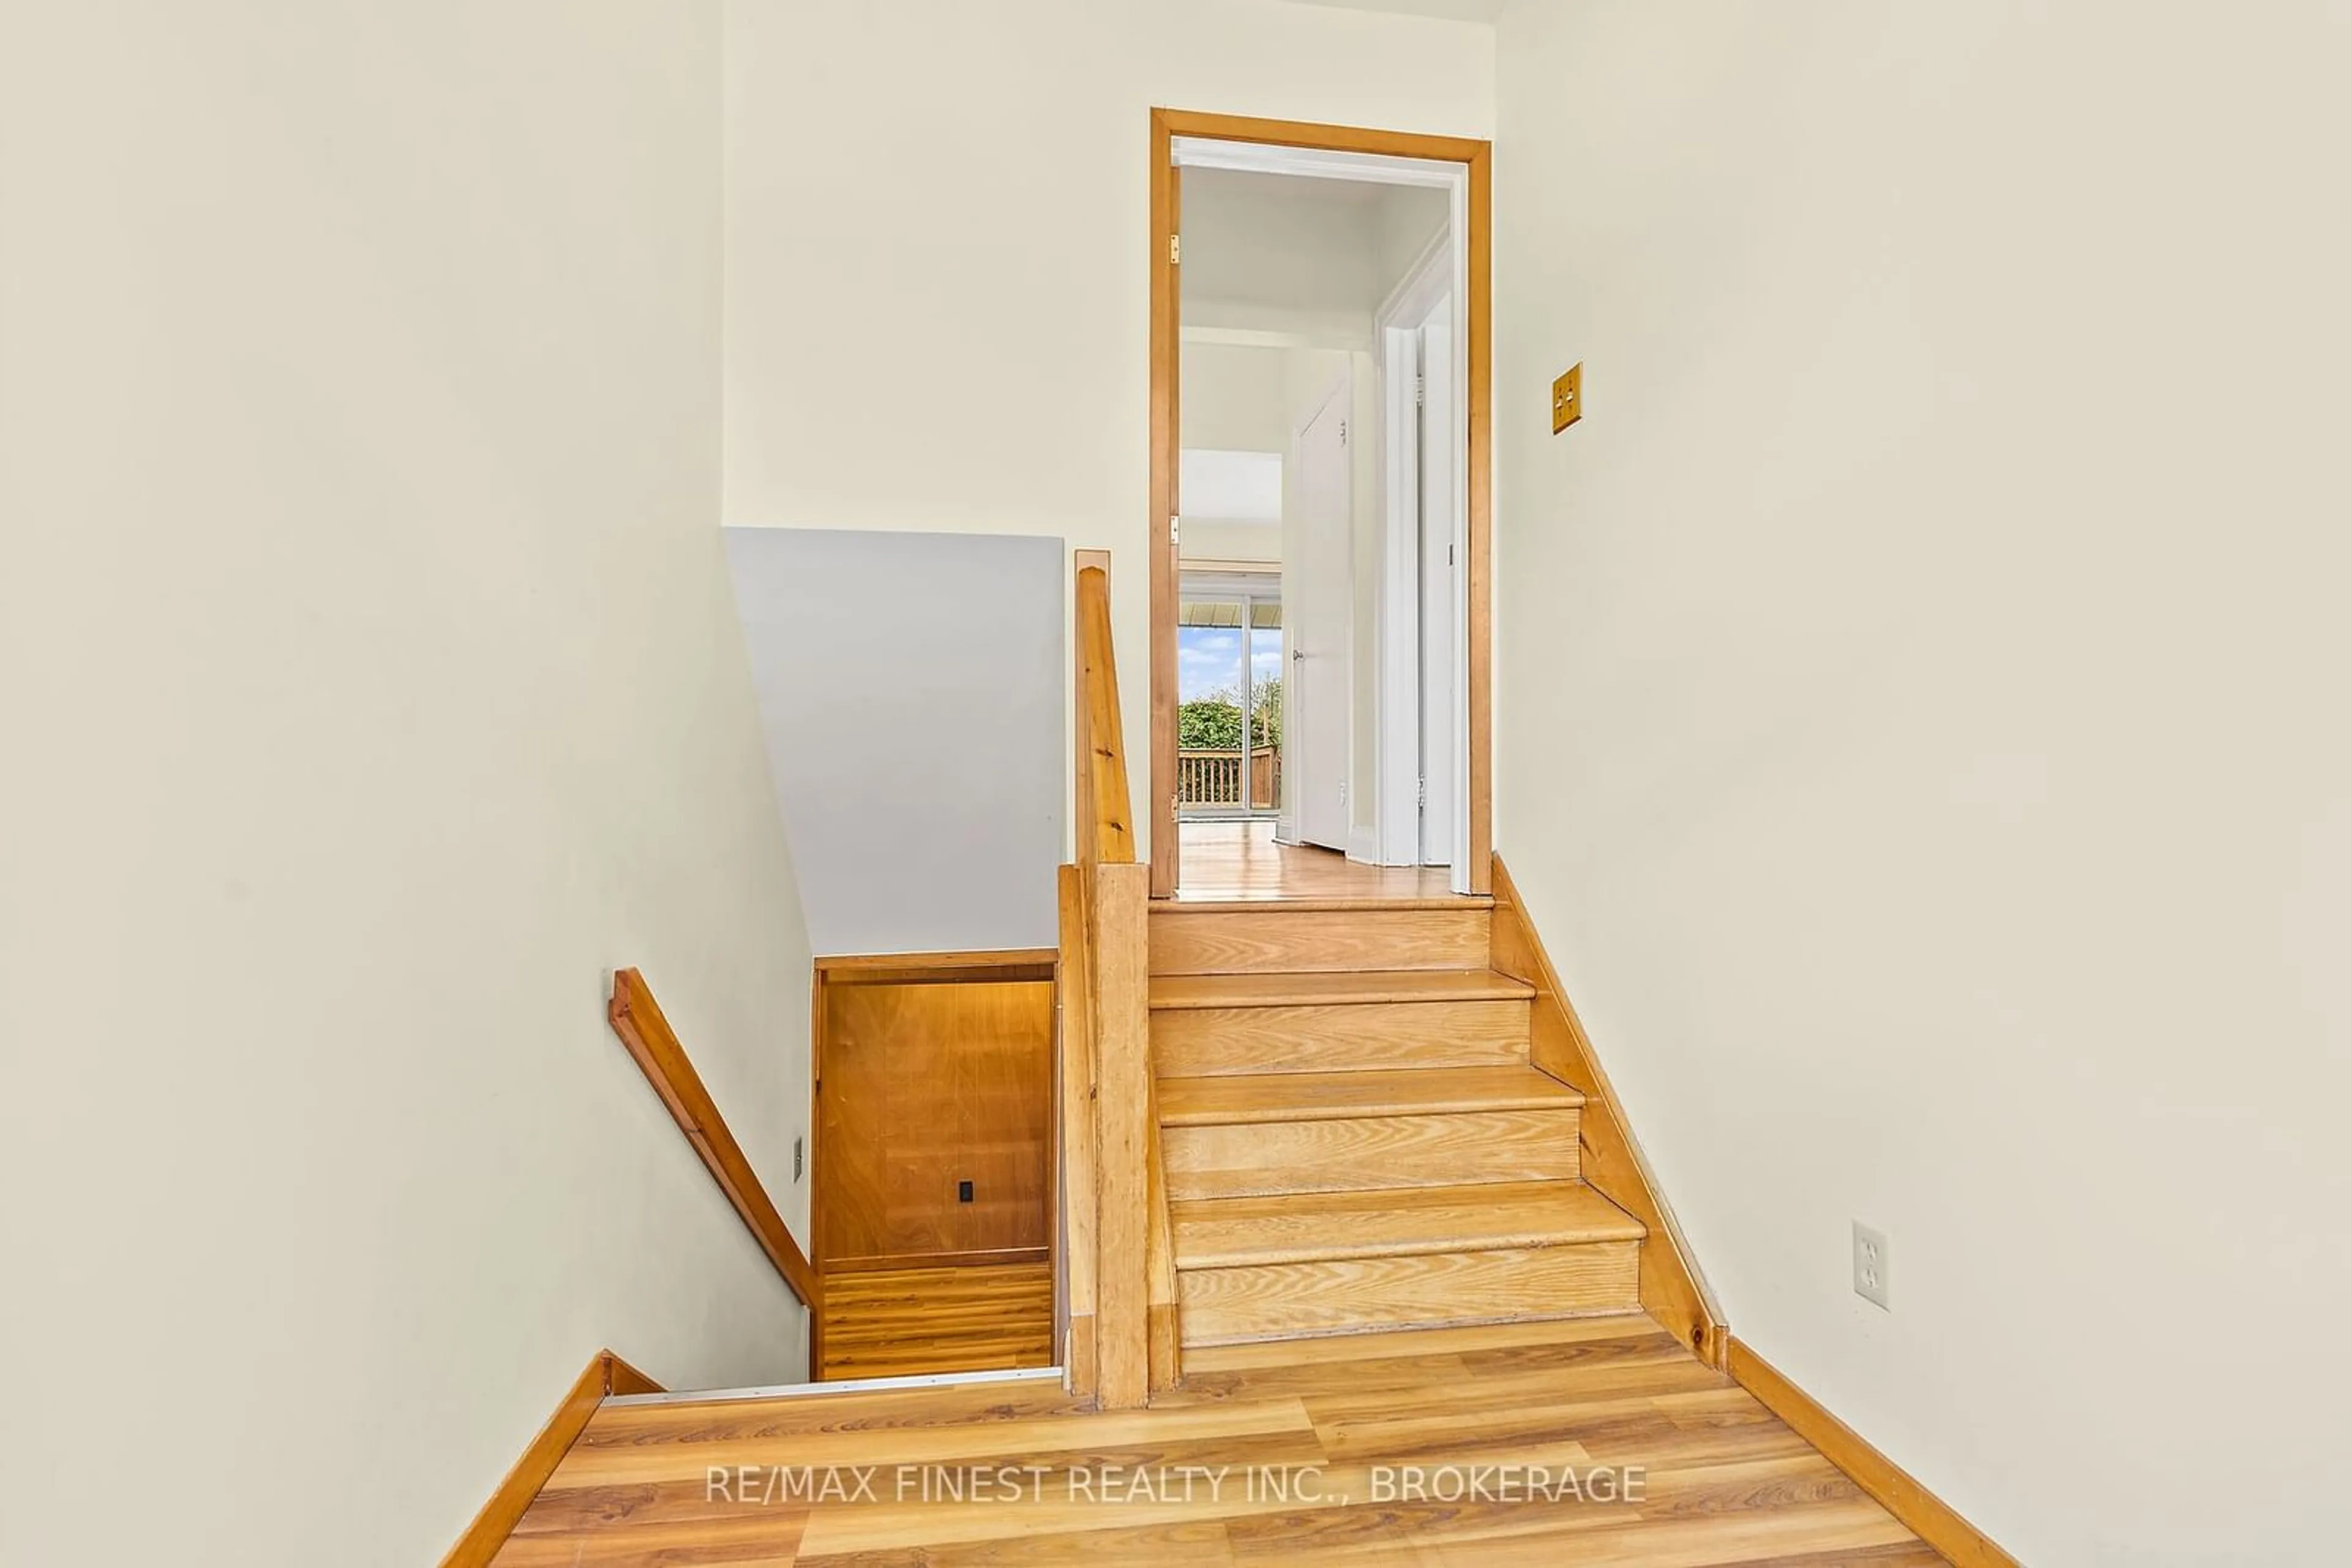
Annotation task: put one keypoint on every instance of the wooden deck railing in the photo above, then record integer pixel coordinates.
(1114, 1270)
(1205, 776)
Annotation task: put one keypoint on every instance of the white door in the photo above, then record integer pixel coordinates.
(1318, 612)
(1442, 747)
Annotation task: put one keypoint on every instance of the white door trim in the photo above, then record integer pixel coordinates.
(1444, 633)
(1395, 839)
(1315, 162)
(1424, 290)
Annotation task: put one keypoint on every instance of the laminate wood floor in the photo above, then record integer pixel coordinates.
(1235, 862)
(895, 1322)
(1312, 1445)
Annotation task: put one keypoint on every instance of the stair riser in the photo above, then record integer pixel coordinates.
(1318, 941)
(1207, 1042)
(1291, 1300)
(1352, 1154)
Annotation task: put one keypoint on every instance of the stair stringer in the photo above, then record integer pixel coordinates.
(1672, 1290)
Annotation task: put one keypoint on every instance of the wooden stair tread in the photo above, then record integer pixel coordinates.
(1277, 905)
(1267, 990)
(1322, 1097)
(1632, 1327)
(1387, 1222)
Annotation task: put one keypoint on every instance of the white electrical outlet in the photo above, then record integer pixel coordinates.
(1869, 1265)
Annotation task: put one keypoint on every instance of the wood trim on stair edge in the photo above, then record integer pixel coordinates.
(1934, 1521)
(1073, 1140)
(912, 968)
(605, 1374)
(1164, 1331)
(820, 1010)
(1123, 1134)
(637, 1019)
(1672, 1290)
(979, 1257)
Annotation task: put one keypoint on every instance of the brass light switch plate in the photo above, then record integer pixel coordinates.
(1567, 399)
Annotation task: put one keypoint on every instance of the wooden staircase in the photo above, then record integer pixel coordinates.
(1352, 1133)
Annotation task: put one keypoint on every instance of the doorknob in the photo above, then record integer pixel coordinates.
(1296, 654)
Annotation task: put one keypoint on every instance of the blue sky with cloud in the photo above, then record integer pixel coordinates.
(1209, 657)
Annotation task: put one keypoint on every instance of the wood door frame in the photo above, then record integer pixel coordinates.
(1167, 348)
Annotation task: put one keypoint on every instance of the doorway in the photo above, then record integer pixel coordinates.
(930, 1204)
(1378, 731)
(1229, 718)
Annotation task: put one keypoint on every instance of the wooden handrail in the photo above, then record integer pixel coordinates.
(1116, 1293)
(1105, 806)
(637, 1019)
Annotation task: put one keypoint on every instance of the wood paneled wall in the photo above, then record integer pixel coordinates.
(923, 1083)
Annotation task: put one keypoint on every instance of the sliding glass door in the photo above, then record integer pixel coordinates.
(1228, 691)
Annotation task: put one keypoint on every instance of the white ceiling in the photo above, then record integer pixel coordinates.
(1308, 258)
(1220, 186)
(1454, 10)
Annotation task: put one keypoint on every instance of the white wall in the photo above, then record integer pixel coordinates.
(1235, 397)
(1251, 545)
(910, 687)
(372, 689)
(1919, 711)
(1245, 397)
(938, 191)
(1405, 225)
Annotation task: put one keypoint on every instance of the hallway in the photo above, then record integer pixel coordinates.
(1239, 863)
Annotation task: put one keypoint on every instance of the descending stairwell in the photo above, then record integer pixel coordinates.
(1354, 1134)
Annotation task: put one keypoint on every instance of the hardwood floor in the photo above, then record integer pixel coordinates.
(1674, 1466)
(893, 1322)
(1239, 862)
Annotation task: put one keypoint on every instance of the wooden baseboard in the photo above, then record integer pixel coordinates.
(1671, 1289)
(607, 1374)
(1935, 1521)
(622, 1378)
